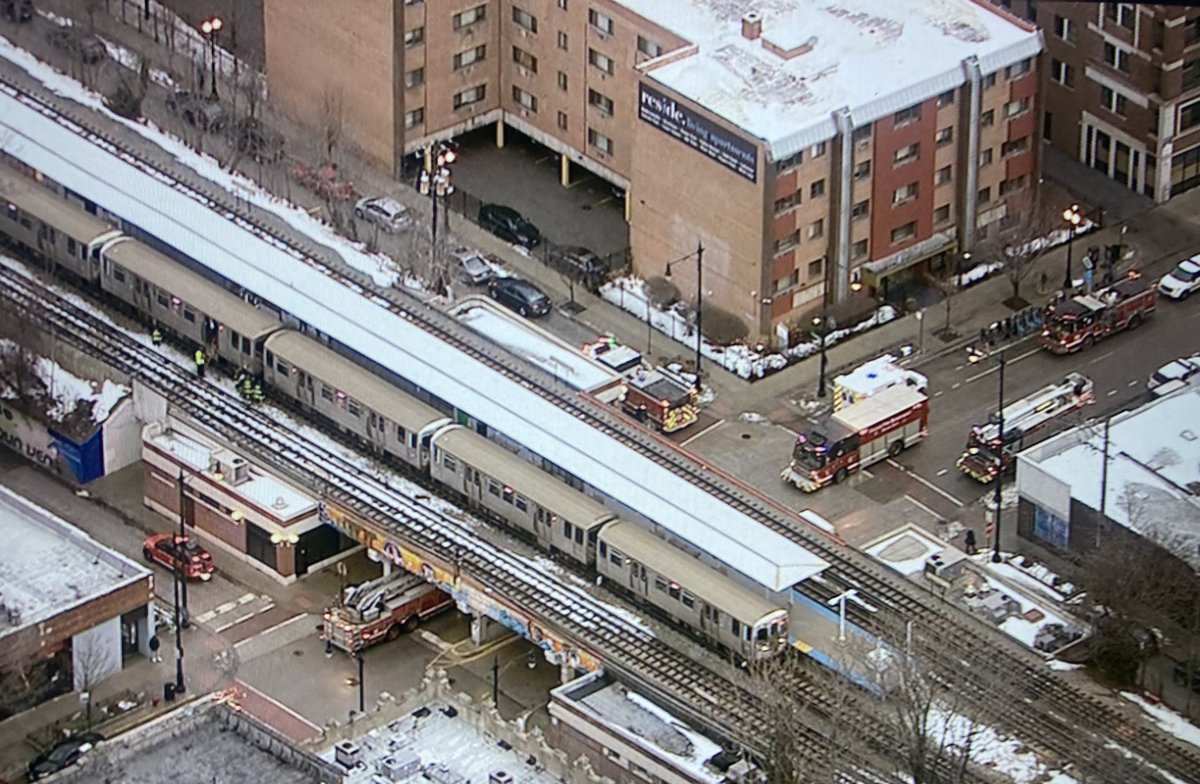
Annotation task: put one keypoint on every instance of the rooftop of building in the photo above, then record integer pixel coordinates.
(217, 743)
(1153, 483)
(816, 57)
(48, 566)
(283, 501)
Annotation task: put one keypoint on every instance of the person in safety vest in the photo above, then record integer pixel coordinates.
(156, 337)
(256, 393)
(200, 362)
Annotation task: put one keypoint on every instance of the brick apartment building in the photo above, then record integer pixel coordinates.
(806, 147)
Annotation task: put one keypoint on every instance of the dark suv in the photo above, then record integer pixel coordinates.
(509, 225)
(520, 295)
(200, 111)
(578, 262)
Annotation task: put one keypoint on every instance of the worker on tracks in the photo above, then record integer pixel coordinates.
(156, 337)
(200, 359)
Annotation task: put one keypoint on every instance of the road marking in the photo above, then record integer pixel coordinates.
(1195, 315)
(282, 624)
(917, 503)
(1101, 358)
(996, 367)
(1134, 383)
(221, 609)
(943, 472)
(694, 436)
(866, 473)
(956, 385)
(939, 393)
(1112, 392)
(926, 482)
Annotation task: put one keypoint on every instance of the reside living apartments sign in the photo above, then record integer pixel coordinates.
(698, 133)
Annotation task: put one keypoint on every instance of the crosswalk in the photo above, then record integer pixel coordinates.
(225, 616)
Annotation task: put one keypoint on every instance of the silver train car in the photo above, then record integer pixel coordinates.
(489, 477)
(355, 400)
(45, 225)
(723, 611)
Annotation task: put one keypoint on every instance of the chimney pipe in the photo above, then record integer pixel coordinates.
(751, 25)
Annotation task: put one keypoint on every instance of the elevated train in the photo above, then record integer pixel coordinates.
(487, 477)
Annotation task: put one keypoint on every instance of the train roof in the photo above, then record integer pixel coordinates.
(285, 278)
(541, 487)
(52, 208)
(690, 572)
(337, 371)
(204, 295)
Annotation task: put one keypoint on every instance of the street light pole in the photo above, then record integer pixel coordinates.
(361, 686)
(1073, 218)
(699, 254)
(999, 457)
(179, 548)
(436, 179)
(210, 28)
(823, 322)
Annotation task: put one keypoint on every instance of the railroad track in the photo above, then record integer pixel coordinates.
(1060, 708)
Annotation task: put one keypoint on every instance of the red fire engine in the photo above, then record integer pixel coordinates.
(381, 609)
(1078, 322)
(984, 458)
(664, 398)
(866, 432)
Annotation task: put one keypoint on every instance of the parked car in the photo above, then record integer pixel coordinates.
(1181, 281)
(1177, 370)
(164, 549)
(384, 211)
(200, 111)
(509, 225)
(63, 755)
(255, 139)
(474, 266)
(521, 296)
(578, 262)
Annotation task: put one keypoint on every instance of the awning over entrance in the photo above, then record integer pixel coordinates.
(875, 271)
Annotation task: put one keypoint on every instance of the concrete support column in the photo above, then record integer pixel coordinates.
(499, 134)
(564, 171)
(628, 204)
(484, 629)
(566, 673)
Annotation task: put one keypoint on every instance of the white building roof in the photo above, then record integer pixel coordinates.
(1153, 468)
(261, 266)
(48, 566)
(874, 57)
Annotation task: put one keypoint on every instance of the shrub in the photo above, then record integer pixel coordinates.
(662, 292)
(721, 327)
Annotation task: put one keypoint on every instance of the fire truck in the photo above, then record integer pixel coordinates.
(381, 609)
(664, 398)
(1076, 323)
(985, 456)
(877, 427)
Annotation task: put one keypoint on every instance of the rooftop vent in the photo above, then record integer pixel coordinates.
(751, 25)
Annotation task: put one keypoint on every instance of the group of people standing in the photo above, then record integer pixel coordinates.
(247, 385)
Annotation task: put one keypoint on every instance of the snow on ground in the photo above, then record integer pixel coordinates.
(382, 269)
(629, 294)
(439, 740)
(1167, 719)
(992, 750)
(1062, 666)
(1051, 240)
(67, 390)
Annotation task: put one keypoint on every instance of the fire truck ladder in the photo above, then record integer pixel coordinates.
(1031, 412)
(378, 593)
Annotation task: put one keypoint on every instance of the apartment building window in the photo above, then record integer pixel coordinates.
(904, 193)
(1017, 70)
(601, 102)
(944, 136)
(907, 116)
(415, 117)
(524, 99)
(816, 269)
(1013, 185)
(1113, 100)
(1191, 73)
(905, 232)
(858, 250)
(562, 80)
(469, 17)
(906, 154)
(816, 189)
(783, 284)
(524, 59)
(816, 229)
(862, 133)
(1013, 108)
(985, 158)
(945, 99)
(819, 149)
(562, 121)
(1062, 73)
(1191, 32)
(941, 214)
(989, 81)
(1031, 11)
(562, 4)
(648, 47)
(1116, 57)
(1047, 125)
(414, 37)
(987, 119)
(1014, 147)
(414, 78)
(470, 96)
(600, 21)
(562, 40)
(1064, 29)
(470, 56)
(862, 169)
(788, 242)
(600, 141)
(861, 210)
(985, 195)
(603, 62)
(944, 175)
(787, 202)
(524, 19)
(1189, 116)
(789, 162)
(1121, 13)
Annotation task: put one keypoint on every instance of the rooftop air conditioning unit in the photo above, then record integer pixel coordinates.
(347, 753)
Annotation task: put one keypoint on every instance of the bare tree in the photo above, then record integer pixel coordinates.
(92, 662)
(1021, 241)
(332, 121)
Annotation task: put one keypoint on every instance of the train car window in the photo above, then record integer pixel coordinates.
(735, 627)
(118, 274)
(11, 210)
(578, 536)
(493, 487)
(508, 495)
(401, 436)
(26, 222)
(521, 504)
(617, 558)
(281, 367)
(603, 550)
(688, 600)
(308, 383)
(234, 338)
(674, 591)
(189, 315)
(412, 440)
(539, 514)
(353, 408)
(327, 393)
(449, 462)
(246, 350)
(660, 584)
(70, 246)
(270, 357)
(566, 530)
(162, 300)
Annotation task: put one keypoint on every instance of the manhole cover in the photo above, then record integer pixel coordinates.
(297, 652)
(746, 436)
(586, 208)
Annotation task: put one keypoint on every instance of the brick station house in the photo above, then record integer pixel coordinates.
(807, 147)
